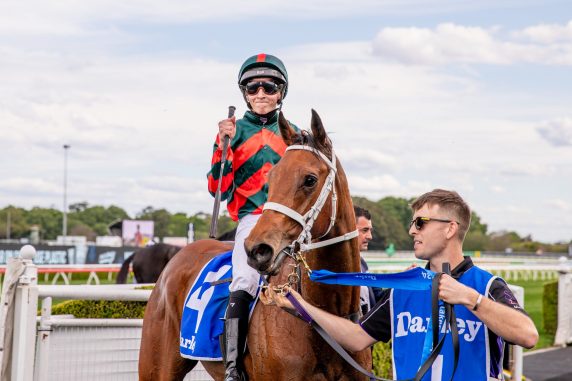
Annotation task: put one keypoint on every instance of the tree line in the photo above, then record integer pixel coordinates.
(390, 217)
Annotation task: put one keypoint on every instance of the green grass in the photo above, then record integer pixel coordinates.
(533, 291)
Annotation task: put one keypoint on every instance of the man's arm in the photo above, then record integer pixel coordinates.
(508, 323)
(347, 333)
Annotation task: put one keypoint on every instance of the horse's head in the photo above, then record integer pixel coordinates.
(301, 184)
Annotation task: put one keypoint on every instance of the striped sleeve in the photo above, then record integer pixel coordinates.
(214, 174)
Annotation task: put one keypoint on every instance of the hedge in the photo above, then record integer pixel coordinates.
(116, 309)
(100, 309)
(550, 307)
(382, 366)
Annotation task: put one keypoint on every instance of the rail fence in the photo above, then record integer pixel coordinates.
(65, 348)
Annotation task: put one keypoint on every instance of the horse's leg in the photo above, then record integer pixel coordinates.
(159, 356)
(214, 368)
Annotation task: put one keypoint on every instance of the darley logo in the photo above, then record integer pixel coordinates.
(406, 323)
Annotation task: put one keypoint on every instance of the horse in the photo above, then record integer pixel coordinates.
(280, 346)
(149, 262)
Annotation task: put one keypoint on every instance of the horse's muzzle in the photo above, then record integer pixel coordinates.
(260, 257)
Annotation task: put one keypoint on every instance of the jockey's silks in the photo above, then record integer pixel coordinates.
(254, 150)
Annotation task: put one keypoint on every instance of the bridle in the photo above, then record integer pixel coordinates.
(304, 243)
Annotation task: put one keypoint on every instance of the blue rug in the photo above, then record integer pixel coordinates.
(205, 305)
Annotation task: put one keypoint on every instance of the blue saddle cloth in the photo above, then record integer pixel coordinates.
(202, 321)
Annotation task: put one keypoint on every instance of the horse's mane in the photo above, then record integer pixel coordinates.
(307, 138)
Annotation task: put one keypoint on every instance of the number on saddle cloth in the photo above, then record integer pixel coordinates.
(205, 305)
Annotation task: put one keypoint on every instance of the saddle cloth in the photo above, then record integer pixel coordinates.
(205, 305)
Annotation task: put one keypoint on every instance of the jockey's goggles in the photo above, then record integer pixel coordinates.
(268, 87)
(419, 222)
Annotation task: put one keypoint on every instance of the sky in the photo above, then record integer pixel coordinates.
(472, 96)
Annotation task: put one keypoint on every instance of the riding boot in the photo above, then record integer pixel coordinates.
(235, 332)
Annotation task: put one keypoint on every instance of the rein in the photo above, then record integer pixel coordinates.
(450, 321)
(304, 244)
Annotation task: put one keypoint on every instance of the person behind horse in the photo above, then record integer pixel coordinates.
(368, 295)
(255, 147)
(487, 312)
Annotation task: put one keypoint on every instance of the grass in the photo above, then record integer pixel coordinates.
(533, 293)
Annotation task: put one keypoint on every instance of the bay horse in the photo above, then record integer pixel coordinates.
(280, 346)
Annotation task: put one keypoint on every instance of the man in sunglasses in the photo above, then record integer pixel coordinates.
(255, 147)
(487, 312)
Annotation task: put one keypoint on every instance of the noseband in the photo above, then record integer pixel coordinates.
(304, 241)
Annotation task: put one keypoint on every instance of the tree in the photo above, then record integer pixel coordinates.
(387, 226)
(161, 218)
(49, 219)
(476, 238)
(19, 227)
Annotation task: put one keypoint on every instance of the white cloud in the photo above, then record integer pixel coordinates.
(366, 159)
(559, 204)
(451, 43)
(548, 33)
(557, 132)
(375, 186)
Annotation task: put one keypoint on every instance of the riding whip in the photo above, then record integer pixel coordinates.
(216, 206)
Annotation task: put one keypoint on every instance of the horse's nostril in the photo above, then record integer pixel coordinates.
(261, 253)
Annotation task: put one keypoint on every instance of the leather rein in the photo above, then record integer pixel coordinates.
(304, 244)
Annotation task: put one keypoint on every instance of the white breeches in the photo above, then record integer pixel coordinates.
(244, 277)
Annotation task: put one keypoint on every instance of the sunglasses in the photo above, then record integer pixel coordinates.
(269, 87)
(419, 222)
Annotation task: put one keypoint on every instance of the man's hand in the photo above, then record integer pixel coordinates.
(454, 292)
(270, 297)
(226, 127)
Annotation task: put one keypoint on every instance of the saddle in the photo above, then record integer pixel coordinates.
(203, 314)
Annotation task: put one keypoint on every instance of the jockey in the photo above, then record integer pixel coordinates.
(255, 146)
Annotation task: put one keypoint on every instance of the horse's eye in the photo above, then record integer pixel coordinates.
(310, 181)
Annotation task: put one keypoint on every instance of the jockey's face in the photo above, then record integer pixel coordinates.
(261, 102)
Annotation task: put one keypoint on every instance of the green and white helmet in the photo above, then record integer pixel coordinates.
(263, 65)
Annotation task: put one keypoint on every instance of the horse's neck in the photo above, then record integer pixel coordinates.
(341, 257)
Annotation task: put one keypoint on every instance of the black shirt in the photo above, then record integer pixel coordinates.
(377, 322)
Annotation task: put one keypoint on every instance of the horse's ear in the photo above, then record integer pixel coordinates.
(286, 130)
(318, 130)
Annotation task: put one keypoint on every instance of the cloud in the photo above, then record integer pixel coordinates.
(373, 186)
(548, 33)
(451, 43)
(366, 159)
(559, 204)
(557, 132)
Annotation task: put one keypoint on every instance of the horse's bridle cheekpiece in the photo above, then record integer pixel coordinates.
(304, 241)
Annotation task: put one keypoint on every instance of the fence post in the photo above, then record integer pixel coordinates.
(564, 329)
(516, 360)
(44, 331)
(25, 311)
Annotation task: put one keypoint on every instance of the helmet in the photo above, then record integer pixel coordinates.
(263, 65)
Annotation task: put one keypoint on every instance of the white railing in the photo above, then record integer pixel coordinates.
(62, 347)
(564, 331)
(69, 343)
